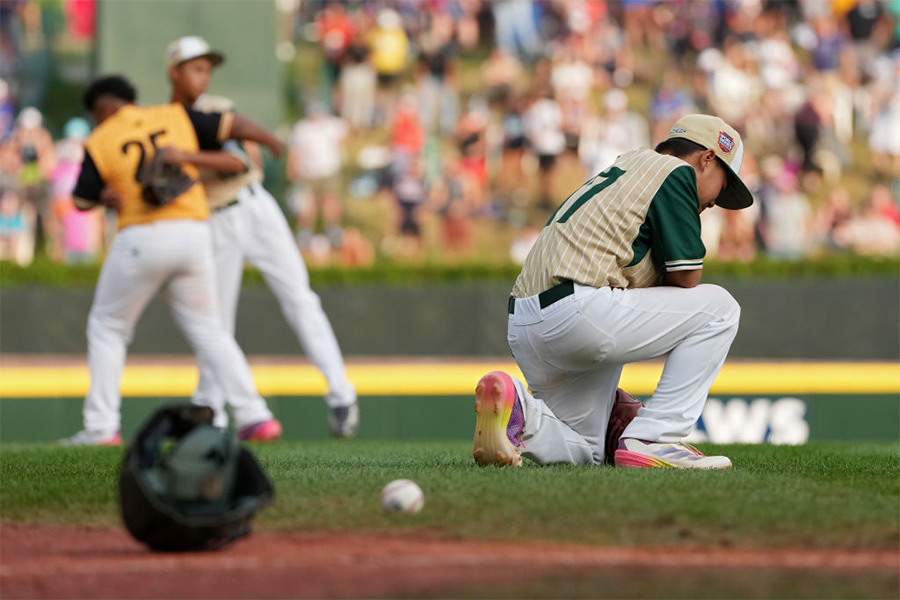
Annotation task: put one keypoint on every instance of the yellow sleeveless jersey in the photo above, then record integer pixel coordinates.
(128, 139)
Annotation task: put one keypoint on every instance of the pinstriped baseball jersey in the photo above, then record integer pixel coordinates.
(222, 188)
(623, 228)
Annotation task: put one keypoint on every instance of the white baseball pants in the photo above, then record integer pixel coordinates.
(572, 353)
(174, 256)
(255, 230)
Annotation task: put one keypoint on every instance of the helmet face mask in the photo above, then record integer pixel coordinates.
(185, 485)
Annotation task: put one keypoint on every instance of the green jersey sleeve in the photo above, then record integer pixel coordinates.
(673, 221)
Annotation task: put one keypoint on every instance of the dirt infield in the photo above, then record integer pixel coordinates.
(47, 561)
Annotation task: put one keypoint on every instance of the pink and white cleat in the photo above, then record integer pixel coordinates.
(499, 421)
(639, 453)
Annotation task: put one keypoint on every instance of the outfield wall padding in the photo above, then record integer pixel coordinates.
(827, 417)
(802, 319)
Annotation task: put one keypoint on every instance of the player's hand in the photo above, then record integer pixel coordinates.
(277, 147)
(111, 198)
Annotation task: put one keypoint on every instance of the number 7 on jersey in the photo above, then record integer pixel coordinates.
(610, 175)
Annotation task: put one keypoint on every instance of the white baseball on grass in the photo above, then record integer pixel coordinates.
(402, 495)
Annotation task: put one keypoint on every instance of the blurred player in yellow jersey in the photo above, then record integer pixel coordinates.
(157, 248)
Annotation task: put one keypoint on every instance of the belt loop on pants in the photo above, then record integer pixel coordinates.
(554, 294)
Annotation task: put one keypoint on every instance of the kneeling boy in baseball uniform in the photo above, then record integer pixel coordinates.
(614, 278)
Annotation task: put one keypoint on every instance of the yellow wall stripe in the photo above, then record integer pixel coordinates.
(429, 378)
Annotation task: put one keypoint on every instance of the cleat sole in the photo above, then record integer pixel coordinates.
(494, 399)
(626, 458)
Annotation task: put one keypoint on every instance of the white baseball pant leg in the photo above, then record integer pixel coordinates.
(273, 251)
(228, 258)
(174, 256)
(134, 270)
(255, 229)
(572, 352)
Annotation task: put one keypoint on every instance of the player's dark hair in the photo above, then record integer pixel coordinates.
(111, 85)
(679, 147)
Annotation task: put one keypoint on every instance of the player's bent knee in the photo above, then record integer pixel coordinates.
(720, 301)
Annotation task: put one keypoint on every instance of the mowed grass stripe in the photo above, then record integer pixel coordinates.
(452, 378)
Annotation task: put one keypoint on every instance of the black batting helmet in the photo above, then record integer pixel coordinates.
(185, 485)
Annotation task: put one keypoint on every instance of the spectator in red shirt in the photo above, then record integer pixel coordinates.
(335, 29)
(407, 136)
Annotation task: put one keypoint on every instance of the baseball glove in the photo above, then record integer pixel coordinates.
(162, 182)
(624, 410)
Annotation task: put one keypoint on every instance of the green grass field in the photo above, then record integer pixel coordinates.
(841, 495)
(821, 497)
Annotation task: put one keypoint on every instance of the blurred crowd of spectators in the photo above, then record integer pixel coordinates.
(812, 85)
(462, 116)
(37, 176)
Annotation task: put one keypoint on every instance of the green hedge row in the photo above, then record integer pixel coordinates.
(45, 272)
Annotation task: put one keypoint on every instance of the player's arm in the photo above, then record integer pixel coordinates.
(213, 129)
(677, 249)
(224, 162)
(244, 129)
(91, 191)
(685, 279)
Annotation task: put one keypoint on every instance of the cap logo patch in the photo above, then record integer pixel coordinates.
(678, 130)
(726, 142)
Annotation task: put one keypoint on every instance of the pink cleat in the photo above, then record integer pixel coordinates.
(499, 421)
(264, 431)
(639, 453)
